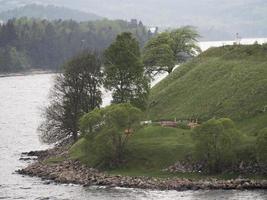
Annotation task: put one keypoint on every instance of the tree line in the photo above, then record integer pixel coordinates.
(41, 44)
(78, 89)
(74, 110)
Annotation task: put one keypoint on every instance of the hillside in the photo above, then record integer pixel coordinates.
(229, 81)
(49, 12)
(216, 20)
(43, 44)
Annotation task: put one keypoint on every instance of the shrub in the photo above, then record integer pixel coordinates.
(183, 125)
(108, 131)
(216, 144)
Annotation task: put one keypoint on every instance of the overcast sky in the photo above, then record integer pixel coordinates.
(160, 12)
(244, 16)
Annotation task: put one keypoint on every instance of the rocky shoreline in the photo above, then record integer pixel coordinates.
(70, 171)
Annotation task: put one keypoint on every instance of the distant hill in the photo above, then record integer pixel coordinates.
(215, 19)
(44, 44)
(49, 12)
(228, 81)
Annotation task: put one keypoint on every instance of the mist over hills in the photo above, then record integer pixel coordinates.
(49, 12)
(216, 20)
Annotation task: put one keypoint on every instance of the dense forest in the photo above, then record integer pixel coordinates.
(41, 44)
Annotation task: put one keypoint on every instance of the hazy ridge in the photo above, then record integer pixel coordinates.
(216, 20)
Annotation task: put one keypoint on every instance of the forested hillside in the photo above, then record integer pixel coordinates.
(215, 20)
(42, 44)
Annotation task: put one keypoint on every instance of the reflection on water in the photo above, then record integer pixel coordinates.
(20, 100)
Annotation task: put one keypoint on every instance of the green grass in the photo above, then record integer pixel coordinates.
(151, 148)
(222, 82)
(252, 125)
(80, 151)
(228, 82)
(156, 147)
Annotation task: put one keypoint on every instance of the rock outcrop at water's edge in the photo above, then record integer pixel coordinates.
(70, 171)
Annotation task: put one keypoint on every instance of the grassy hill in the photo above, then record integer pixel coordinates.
(228, 81)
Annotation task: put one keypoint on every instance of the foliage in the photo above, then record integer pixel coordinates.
(149, 149)
(124, 72)
(91, 122)
(158, 54)
(216, 142)
(12, 60)
(183, 125)
(48, 44)
(164, 51)
(76, 91)
(261, 146)
(108, 131)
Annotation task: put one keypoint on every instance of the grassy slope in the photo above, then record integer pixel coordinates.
(151, 149)
(222, 82)
(229, 81)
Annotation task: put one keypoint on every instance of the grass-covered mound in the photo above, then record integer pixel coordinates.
(229, 81)
(152, 148)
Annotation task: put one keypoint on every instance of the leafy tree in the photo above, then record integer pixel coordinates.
(124, 71)
(76, 91)
(12, 60)
(109, 130)
(184, 43)
(216, 143)
(91, 122)
(164, 51)
(158, 54)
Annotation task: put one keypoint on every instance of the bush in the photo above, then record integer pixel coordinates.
(216, 143)
(183, 125)
(246, 149)
(108, 131)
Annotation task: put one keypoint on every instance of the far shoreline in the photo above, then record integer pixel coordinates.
(28, 72)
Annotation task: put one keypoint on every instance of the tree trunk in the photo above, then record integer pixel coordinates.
(170, 70)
